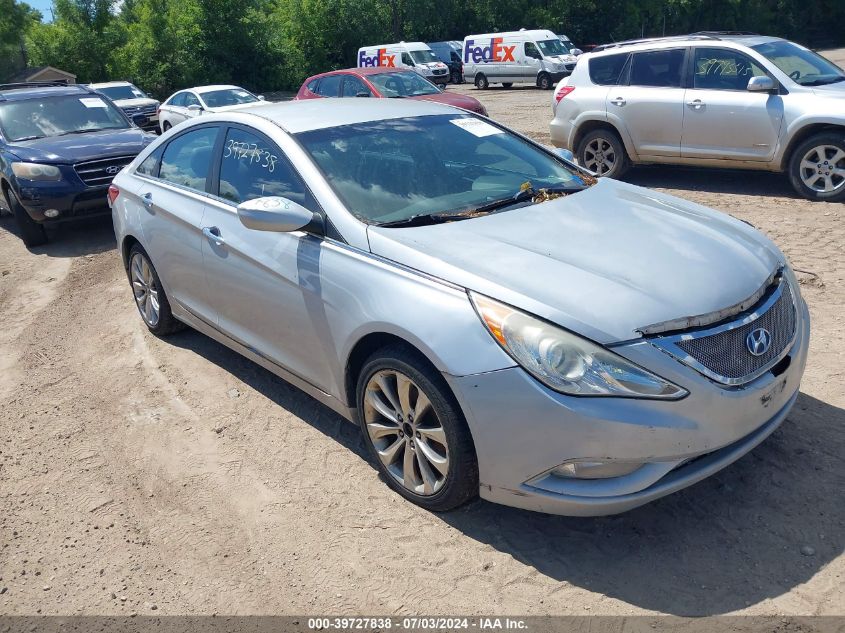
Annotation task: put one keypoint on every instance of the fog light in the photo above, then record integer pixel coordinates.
(595, 470)
(52, 213)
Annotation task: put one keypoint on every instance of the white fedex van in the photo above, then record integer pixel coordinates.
(415, 55)
(536, 57)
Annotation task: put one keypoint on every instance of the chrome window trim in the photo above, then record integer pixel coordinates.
(668, 344)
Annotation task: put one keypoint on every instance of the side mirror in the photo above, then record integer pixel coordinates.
(274, 214)
(140, 119)
(195, 108)
(363, 94)
(761, 84)
(261, 97)
(576, 52)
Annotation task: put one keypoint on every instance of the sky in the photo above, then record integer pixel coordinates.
(42, 5)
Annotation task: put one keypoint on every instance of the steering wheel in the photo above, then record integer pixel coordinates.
(795, 74)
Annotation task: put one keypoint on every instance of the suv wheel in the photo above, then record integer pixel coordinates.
(602, 151)
(544, 81)
(817, 167)
(481, 82)
(415, 430)
(32, 232)
(149, 294)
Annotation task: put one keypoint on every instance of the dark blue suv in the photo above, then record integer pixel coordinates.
(60, 147)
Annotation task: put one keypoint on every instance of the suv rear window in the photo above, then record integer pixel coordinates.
(660, 69)
(605, 71)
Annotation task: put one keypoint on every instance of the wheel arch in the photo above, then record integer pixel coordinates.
(802, 135)
(591, 125)
(129, 241)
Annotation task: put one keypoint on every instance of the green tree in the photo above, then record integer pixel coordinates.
(16, 18)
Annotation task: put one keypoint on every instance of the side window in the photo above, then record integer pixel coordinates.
(329, 86)
(531, 50)
(352, 87)
(406, 59)
(660, 69)
(723, 69)
(253, 168)
(149, 167)
(187, 158)
(456, 57)
(178, 99)
(606, 71)
(312, 85)
(191, 99)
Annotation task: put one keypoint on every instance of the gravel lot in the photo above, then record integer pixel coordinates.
(140, 475)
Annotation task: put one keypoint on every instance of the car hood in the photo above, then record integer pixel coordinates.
(603, 262)
(831, 90)
(135, 103)
(77, 148)
(460, 101)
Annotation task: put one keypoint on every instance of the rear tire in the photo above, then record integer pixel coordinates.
(603, 152)
(149, 294)
(481, 82)
(817, 167)
(32, 232)
(544, 81)
(416, 433)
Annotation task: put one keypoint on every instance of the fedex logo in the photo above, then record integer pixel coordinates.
(381, 58)
(496, 52)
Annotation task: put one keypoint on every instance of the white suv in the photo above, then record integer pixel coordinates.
(712, 99)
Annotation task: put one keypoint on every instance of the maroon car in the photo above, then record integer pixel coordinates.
(391, 83)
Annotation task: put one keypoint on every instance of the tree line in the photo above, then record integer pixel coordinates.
(268, 45)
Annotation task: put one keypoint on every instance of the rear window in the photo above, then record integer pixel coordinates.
(605, 71)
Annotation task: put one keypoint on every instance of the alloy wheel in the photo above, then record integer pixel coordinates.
(145, 289)
(823, 168)
(407, 434)
(599, 156)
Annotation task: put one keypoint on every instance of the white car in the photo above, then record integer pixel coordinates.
(131, 99)
(192, 102)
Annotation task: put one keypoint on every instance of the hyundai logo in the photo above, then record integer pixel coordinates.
(758, 341)
(113, 169)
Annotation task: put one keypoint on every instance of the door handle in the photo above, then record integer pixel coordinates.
(147, 199)
(619, 101)
(213, 233)
(696, 103)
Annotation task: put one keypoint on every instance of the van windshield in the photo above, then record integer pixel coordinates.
(424, 57)
(551, 47)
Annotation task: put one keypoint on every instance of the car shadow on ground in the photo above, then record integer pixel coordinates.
(729, 542)
(87, 236)
(713, 180)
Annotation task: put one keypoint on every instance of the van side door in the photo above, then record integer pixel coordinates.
(531, 62)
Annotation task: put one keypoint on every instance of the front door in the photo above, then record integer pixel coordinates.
(266, 286)
(722, 119)
(531, 62)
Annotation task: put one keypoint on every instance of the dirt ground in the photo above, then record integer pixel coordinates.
(140, 475)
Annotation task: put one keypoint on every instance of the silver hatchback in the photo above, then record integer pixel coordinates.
(710, 99)
(495, 319)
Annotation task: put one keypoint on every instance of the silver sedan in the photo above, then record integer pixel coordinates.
(497, 321)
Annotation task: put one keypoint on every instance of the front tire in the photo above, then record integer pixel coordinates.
(32, 232)
(481, 82)
(544, 81)
(603, 152)
(817, 167)
(149, 294)
(415, 430)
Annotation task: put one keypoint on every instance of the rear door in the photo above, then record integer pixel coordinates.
(651, 105)
(173, 193)
(722, 119)
(266, 286)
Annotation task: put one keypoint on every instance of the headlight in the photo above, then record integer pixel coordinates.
(566, 362)
(34, 171)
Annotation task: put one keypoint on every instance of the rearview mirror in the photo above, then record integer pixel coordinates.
(274, 213)
(761, 84)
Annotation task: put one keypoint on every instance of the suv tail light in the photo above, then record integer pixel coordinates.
(113, 193)
(562, 91)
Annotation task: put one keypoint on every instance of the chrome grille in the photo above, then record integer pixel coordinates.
(96, 173)
(146, 109)
(721, 352)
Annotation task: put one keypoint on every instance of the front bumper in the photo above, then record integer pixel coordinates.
(72, 200)
(522, 430)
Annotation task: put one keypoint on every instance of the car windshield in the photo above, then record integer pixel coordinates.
(117, 93)
(802, 65)
(227, 97)
(394, 170)
(406, 84)
(424, 57)
(57, 116)
(552, 47)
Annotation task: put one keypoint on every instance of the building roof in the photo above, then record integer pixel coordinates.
(32, 73)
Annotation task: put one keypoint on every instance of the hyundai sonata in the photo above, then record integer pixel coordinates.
(498, 321)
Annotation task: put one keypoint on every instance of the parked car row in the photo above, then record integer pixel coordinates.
(711, 100)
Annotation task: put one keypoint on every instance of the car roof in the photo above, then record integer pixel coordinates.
(317, 114)
(21, 92)
(374, 70)
(111, 84)
(700, 38)
(203, 89)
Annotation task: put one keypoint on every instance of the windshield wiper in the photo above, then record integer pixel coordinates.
(85, 130)
(823, 82)
(422, 219)
(27, 138)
